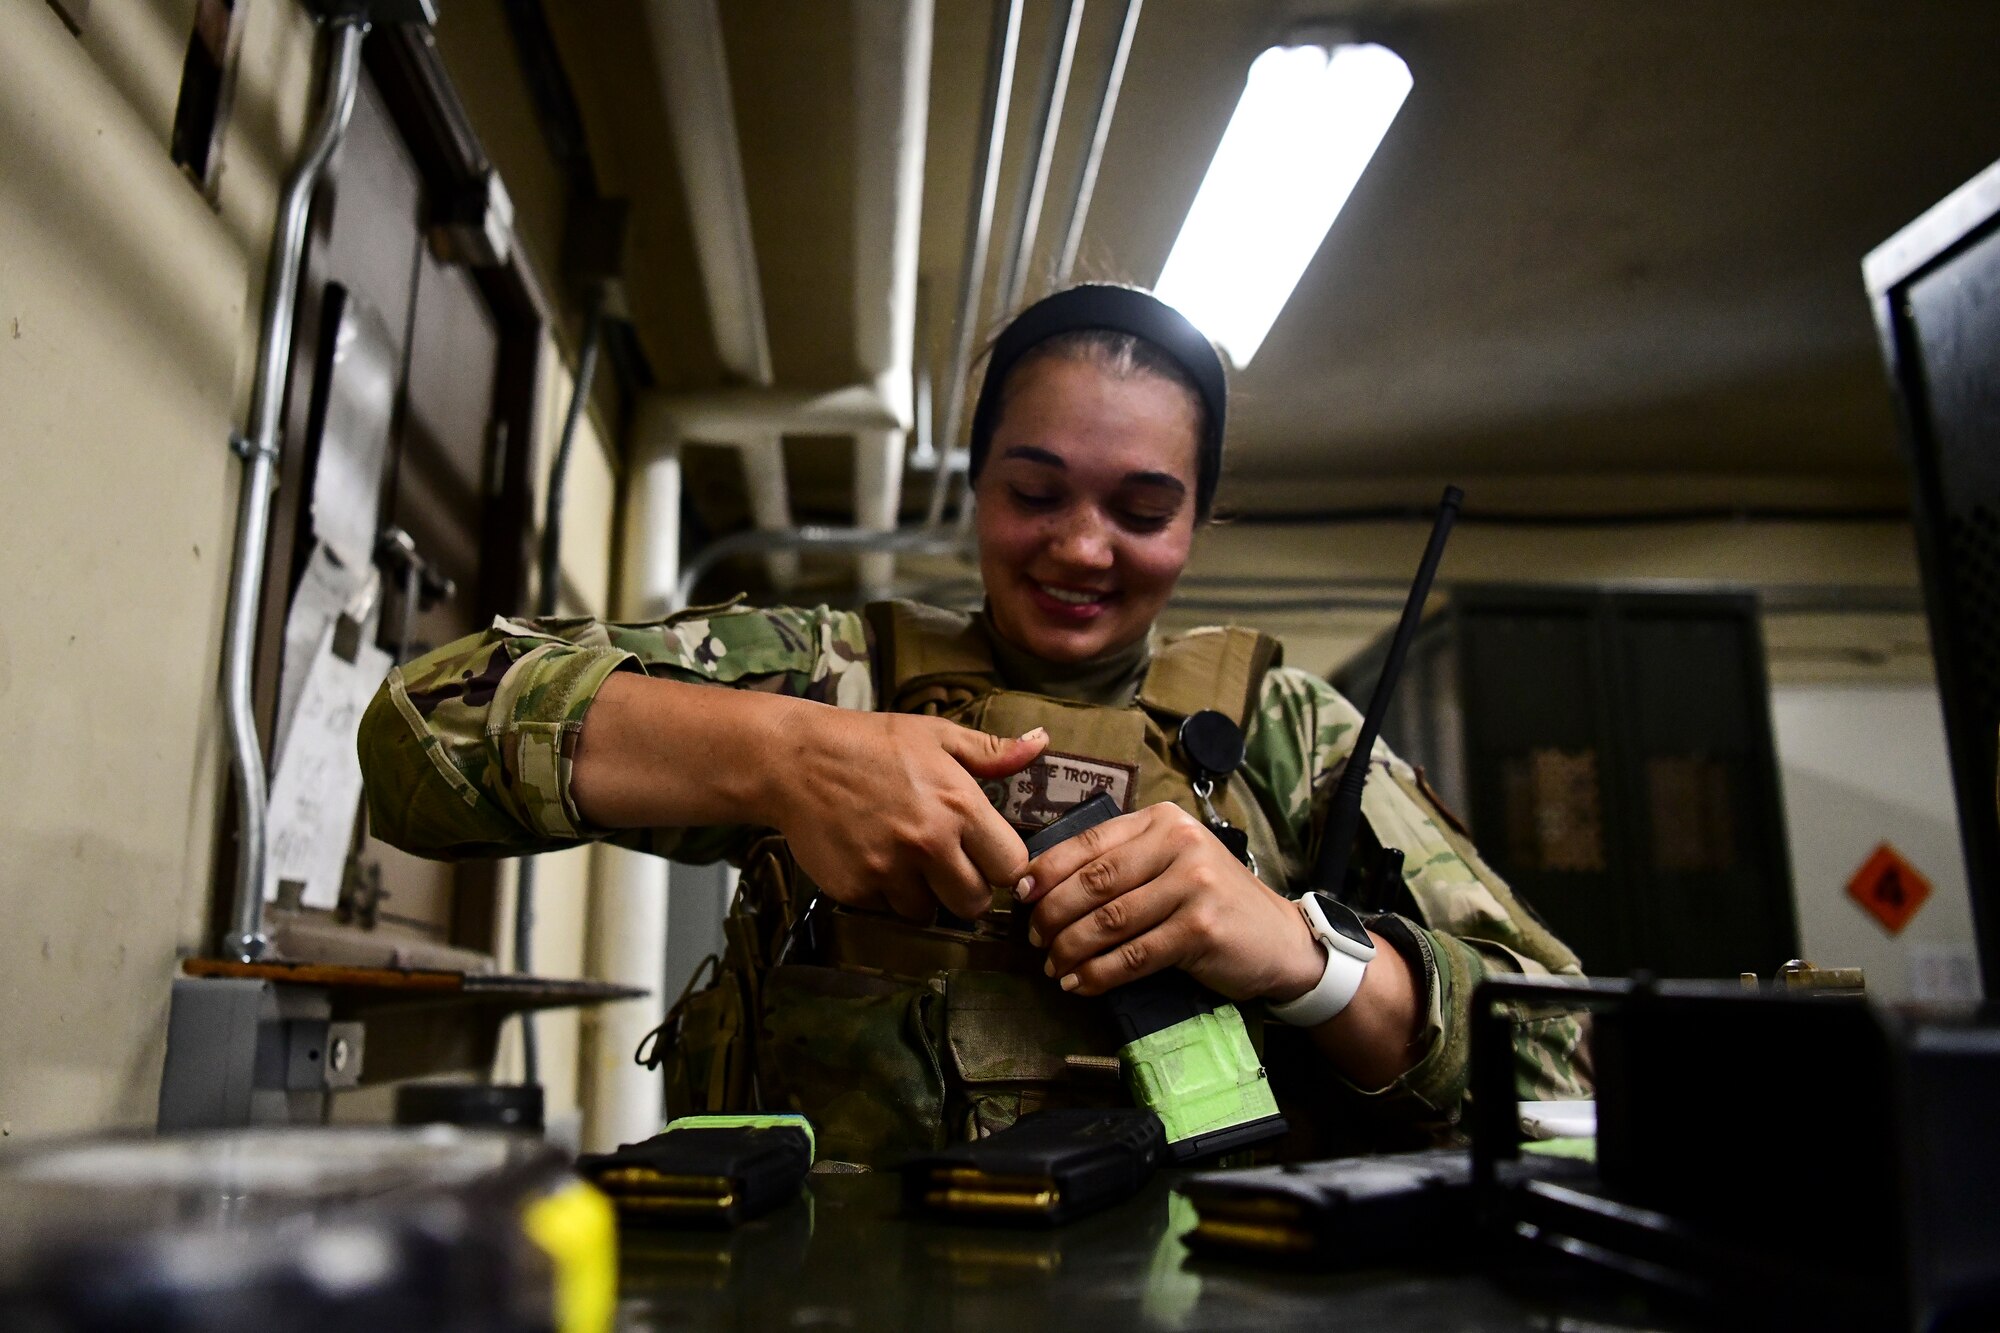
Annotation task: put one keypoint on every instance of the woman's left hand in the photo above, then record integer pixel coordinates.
(1156, 889)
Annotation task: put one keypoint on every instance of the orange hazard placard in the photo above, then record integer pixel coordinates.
(1889, 888)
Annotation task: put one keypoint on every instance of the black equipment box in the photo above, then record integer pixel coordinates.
(1802, 1156)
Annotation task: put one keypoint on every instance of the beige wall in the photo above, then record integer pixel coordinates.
(128, 329)
(1862, 765)
(127, 315)
(1756, 555)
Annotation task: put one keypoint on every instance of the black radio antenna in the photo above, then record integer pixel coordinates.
(1343, 815)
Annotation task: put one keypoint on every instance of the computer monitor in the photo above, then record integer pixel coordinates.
(1935, 288)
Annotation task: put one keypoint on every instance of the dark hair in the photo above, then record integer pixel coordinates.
(1127, 332)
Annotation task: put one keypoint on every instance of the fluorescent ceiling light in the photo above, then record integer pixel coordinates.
(1309, 120)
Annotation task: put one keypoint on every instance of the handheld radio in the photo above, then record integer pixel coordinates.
(1343, 815)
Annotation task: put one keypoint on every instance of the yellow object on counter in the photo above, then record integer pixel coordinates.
(578, 1229)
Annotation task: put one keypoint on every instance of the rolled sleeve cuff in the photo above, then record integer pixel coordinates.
(534, 724)
(1431, 1092)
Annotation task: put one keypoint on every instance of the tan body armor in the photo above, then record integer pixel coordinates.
(891, 1035)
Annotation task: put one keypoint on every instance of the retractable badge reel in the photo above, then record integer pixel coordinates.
(1214, 747)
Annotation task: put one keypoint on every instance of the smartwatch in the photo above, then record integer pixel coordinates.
(1348, 951)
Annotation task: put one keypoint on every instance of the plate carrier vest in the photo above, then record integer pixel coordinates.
(893, 1036)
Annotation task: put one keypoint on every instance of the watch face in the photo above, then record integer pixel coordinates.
(1344, 920)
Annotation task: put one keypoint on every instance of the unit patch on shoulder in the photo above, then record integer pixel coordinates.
(1036, 795)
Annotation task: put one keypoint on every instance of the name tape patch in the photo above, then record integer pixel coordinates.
(1045, 789)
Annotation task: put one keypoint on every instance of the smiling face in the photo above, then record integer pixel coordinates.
(1086, 506)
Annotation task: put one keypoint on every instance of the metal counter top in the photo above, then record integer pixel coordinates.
(844, 1257)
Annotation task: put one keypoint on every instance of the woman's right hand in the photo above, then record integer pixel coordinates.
(885, 810)
(881, 809)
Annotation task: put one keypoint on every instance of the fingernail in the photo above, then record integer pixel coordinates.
(1048, 967)
(1025, 890)
(1034, 937)
(1070, 982)
(1038, 734)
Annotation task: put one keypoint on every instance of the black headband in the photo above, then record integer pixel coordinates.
(1121, 310)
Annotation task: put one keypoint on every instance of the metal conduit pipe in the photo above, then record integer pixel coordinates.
(547, 597)
(259, 450)
(1093, 157)
(978, 231)
(1020, 252)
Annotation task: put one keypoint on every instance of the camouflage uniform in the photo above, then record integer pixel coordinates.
(467, 752)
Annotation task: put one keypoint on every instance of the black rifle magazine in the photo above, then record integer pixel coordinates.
(1046, 1169)
(703, 1176)
(1350, 1212)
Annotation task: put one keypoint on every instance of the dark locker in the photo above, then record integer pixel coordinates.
(1612, 754)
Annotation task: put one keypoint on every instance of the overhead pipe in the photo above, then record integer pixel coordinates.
(892, 86)
(892, 76)
(1006, 42)
(892, 65)
(1019, 255)
(710, 414)
(880, 447)
(259, 450)
(724, 414)
(694, 68)
(856, 541)
(868, 412)
(1093, 157)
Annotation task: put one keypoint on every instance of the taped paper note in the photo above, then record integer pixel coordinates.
(316, 793)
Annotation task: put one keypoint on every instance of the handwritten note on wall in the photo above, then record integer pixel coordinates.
(316, 792)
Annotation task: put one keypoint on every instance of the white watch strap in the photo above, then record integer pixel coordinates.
(1336, 988)
(1337, 985)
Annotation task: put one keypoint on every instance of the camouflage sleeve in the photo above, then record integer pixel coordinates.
(467, 750)
(1469, 922)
